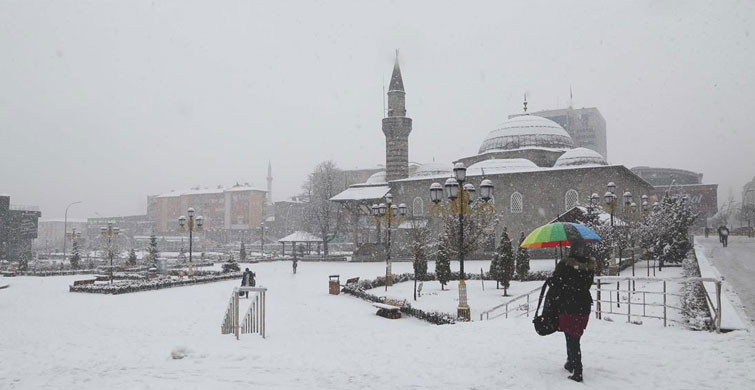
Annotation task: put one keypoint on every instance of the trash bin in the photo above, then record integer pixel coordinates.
(334, 284)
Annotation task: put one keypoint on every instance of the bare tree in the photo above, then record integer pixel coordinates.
(322, 216)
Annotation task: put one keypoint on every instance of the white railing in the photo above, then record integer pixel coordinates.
(254, 319)
(514, 305)
(659, 303)
(656, 307)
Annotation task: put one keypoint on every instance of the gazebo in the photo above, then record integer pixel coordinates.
(298, 236)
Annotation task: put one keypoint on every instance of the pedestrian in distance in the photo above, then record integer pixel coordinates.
(724, 232)
(572, 280)
(246, 281)
(707, 231)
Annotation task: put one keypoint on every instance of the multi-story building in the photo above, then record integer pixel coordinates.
(704, 197)
(130, 226)
(52, 232)
(18, 228)
(228, 212)
(586, 126)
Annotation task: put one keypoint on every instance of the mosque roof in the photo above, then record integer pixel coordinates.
(500, 165)
(376, 178)
(527, 131)
(580, 156)
(433, 168)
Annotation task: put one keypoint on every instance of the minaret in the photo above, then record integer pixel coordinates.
(396, 127)
(269, 183)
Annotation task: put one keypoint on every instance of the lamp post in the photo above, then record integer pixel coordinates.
(193, 223)
(460, 197)
(645, 211)
(388, 212)
(261, 229)
(65, 228)
(110, 232)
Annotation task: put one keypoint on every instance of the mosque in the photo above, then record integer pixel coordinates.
(536, 170)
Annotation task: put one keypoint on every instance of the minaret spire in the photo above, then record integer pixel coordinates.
(269, 183)
(396, 127)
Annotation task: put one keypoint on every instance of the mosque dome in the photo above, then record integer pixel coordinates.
(580, 156)
(376, 178)
(500, 165)
(527, 131)
(433, 169)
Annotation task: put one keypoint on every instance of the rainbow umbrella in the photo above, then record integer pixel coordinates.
(559, 234)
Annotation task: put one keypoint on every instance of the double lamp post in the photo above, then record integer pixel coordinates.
(192, 224)
(388, 212)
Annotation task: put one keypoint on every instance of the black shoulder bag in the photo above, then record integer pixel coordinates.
(546, 322)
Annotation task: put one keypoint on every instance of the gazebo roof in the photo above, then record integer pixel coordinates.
(299, 236)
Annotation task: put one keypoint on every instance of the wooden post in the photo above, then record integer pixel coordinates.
(629, 301)
(598, 304)
(482, 274)
(236, 312)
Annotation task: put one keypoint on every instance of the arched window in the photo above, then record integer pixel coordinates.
(571, 199)
(418, 207)
(517, 203)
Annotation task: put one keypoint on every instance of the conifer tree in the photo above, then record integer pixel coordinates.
(242, 252)
(506, 257)
(131, 257)
(442, 265)
(522, 260)
(495, 268)
(75, 258)
(182, 255)
(153, 253)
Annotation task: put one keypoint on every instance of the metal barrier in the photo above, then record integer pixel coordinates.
(254, 318)
(509, 306)
(520, 305)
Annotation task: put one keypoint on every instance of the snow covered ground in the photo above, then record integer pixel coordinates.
(52, 339)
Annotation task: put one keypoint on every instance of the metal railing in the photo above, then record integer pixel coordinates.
(522, 308)
(638, 298)
(635, 298)
(254, 319)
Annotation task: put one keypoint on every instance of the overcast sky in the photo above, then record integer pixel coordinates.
(107, 102)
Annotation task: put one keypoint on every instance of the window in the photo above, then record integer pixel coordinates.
(571, 199)
(418, 207)
(517, 203)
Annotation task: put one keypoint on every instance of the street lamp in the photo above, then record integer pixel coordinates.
(460, 196)
(65, 227)
(261, 229)
(110, 232)
(388, 212)
(193, 223)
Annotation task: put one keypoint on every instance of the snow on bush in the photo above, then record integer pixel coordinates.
(694, 305)
(151, 284)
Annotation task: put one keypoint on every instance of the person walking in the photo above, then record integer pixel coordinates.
(246, 280)
(724, 231)
(571, 282)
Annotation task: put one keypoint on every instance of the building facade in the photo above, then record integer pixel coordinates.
(52, 232)
(18, 228)
(586, 126)
(703, 197)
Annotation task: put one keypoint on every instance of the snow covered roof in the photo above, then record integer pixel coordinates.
(362, 192)
(376, 178)
(434, 168)
(299, 236)
(500, 165)
(207, 191)
(580, 156)
(527, 131)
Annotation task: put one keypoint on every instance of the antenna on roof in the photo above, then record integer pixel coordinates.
(525, 102)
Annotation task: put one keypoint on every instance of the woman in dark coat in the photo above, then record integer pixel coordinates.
(572, 280)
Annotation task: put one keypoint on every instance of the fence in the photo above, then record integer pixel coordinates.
(656, 307)
(514, 305)
(254, 318)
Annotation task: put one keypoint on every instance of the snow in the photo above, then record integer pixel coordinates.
(734, 265)
(299, 236)
(580, 156)
(52, 339)
(362, 193)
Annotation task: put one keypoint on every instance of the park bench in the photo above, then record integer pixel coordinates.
(351, 281)
(390, 308)
(83, 282)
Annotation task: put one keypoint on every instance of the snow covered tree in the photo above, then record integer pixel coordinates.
(480, 221)
(522, 260)
(131, 257)
(153, 254)
(442, 265)
(23, 261)
(242, 252)
(505, 255)
(495, 270)
(666, 230)
(420, 236)
(321, 215)
(231, 265)
(75, 258)
(182, 255)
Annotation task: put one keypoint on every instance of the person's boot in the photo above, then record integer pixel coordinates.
(577, 376)
(568, 367)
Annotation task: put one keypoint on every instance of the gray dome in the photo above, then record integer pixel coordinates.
(580, 156)
(527, 131)
(376, 178)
